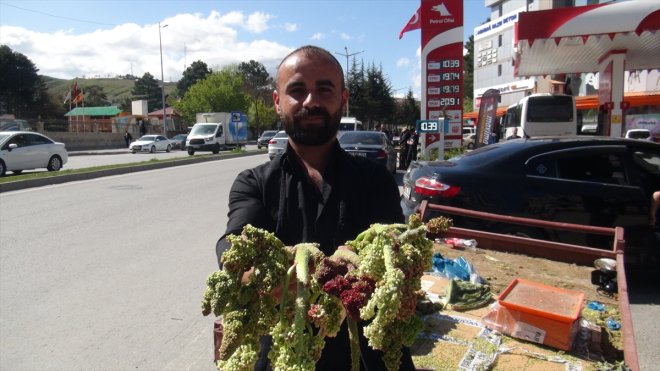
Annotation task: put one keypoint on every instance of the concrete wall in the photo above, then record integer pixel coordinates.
(87, 141)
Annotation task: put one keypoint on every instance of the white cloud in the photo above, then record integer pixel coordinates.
(216, 39)
(258, 22)
(345, 36)
(232, 18)
(403, 62)
(291, 27)
(318, 36)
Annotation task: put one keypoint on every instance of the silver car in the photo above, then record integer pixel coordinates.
(27, 150)
(151, 144)
(277, 144)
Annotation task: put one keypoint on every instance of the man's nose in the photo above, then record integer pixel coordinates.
(311, 100)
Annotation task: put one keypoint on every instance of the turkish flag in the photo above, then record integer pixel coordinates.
(413, 24)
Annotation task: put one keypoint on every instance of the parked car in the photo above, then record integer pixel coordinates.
(26, 150)
(639, 134)
(277, 144)
(7, 124)
(151, 144)
(178, 141)
(596, 181)
(373, 145)
(265, 137)
(468, 142)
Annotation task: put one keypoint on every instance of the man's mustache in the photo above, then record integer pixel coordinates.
(305, 112)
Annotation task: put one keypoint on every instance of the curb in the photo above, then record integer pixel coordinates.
(59, 179)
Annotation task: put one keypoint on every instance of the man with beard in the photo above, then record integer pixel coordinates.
(315, 191)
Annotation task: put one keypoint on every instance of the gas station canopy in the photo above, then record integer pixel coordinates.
(577, 39)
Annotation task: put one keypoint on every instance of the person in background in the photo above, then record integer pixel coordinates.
(514, 134)
(314, 191)
(403, 149)
(655, 210)
(128, 138)
(413, 141)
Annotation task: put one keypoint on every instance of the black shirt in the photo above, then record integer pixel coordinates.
(278, 196)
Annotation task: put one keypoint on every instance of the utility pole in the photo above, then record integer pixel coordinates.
(162, 80)
(347, 55)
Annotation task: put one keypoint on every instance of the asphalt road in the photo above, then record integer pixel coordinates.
(108, 274)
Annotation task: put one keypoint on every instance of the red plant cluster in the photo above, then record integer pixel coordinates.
(354, 292)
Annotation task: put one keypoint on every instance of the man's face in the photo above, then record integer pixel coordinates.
(309, 98)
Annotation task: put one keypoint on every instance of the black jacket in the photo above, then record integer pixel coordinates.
(278, 196)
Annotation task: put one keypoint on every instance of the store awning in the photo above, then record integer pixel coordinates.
(501, 111)
(633, 99)
(575, 39)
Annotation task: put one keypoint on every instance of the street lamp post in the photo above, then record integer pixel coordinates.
(347, 56)
(162, 79)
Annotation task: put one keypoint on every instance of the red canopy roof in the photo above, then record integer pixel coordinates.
(574, 39)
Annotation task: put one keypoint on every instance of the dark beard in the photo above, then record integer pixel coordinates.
(312, 136)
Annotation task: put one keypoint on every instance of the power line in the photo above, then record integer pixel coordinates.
(57, 16)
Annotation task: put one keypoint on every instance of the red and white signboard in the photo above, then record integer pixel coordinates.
(442, 67)
(441, 22)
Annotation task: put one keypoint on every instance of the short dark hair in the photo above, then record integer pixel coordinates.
(310, 50)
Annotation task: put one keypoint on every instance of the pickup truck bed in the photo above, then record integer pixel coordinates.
(502, 258)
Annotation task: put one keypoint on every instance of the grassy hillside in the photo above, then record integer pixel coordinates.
(116, 89)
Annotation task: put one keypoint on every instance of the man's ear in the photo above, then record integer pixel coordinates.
(276, 101)
(344, 99)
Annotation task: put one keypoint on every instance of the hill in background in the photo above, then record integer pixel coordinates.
(116, 89)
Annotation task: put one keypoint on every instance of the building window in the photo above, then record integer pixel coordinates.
(499, 70)
(499, 9)
(499, 40)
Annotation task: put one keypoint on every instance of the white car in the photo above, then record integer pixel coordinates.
(27, 150)
(151, 144)
(277, 144)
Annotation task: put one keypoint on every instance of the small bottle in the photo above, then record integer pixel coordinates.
(467, 244)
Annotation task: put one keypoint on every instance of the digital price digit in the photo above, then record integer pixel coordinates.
(450, 76)
(450, 63)
(450, 101)
(428, 126)
(448, 89)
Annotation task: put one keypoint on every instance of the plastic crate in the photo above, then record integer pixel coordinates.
(543, 314)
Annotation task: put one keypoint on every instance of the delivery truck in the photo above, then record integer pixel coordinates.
(216, 131)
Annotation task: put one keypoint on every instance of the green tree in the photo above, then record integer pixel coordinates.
(258, 84)
(408, 112)
(147, 88)
(22, 91)
(95, 96)
(126, 104)
(197, 71)
(219, 92)
(468, 75)
(262, 116)
(357, 85)
(379, 97)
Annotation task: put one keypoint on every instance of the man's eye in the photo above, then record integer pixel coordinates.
(296, 92)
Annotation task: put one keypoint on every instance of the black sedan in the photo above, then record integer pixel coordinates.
(597, 181)
(265, 137)
(179, 141)
(370, 144)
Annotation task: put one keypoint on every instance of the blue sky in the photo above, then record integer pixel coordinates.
(69, 39)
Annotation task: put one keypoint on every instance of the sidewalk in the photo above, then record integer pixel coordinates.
(114, 151)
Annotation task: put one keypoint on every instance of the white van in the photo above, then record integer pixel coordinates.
(542, 114)
(350, 124)
(215, 131)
